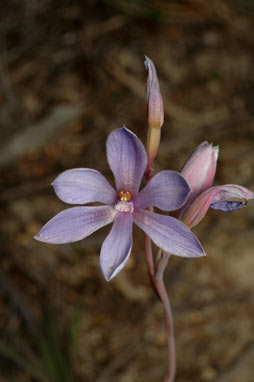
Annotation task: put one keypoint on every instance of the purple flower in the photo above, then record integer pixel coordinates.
(199, 171)
(167, 190)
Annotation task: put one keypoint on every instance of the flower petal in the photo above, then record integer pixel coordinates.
(198, 209)
(127, 159)
(83, 185)
(169, 234)
(231, 206)
(74, 224)
(116, 248)
(229, 197)
(167, 190)
(199, 169)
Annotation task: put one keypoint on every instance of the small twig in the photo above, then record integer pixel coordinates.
(12, 113)
(33, 137)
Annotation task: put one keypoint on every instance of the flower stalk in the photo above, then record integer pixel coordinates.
(157, 282)
(155, 121)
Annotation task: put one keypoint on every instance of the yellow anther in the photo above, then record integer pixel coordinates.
(124, 196)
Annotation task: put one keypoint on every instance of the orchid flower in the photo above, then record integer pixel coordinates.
(199, 171)
(127, 158)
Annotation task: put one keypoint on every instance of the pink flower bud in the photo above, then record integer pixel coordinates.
(154, 99)
(199, 169)
(154, 110)
(227, 198)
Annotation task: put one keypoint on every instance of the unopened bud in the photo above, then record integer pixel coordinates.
(199, 169)
(154, 110)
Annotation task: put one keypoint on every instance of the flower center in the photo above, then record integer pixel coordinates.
(124, 203)
(124, 196)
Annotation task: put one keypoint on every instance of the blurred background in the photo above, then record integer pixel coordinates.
(70, 73)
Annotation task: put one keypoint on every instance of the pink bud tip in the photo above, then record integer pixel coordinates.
(154, 99)
(199, 169)
(155, 112)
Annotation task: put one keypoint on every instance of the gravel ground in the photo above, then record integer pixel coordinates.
(71, 72)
